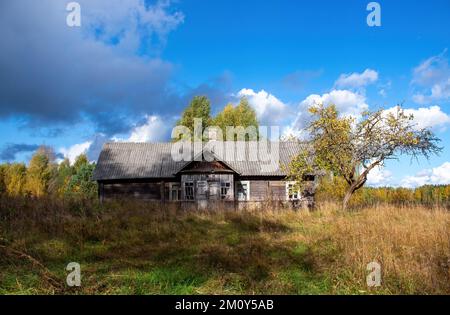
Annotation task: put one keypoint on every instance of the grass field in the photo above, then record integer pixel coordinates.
(133, 248)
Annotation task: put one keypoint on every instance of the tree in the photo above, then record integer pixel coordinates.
(81, 182)
(80, 160)
(40, 171)
(3, 169)
(59, 183)
(241, 115)
(200, 107)
(351, 148)
(15, 179)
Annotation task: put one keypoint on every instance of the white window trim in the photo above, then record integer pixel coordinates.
(171, 188)
(299, 196)
(248, 189)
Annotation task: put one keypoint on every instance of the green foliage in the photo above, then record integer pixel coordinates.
(80, 161)
(44, 176)
(351, 149)
(199, 108)
(81, 182)
(241, 115)
(129, 247)
(59, 184)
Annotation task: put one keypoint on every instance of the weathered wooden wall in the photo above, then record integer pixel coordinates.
(261, 190)
(137, 190)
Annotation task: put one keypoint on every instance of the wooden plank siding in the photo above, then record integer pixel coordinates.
(145, 191)
(268, 189)
(263, 190)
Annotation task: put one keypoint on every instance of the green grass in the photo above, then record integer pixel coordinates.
(149, 251)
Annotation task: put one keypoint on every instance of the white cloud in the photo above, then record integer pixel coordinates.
(347, 103)
(379, 177)
(355, 80)
(427, 117)
(269, 109)
(75, 150)
(153, 130)
(432, 79)
(128, 23)
(435, 176)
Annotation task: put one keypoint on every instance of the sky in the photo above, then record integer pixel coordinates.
(129, 69)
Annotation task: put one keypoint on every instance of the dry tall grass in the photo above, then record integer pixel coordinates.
(139, 248)
(412, 244)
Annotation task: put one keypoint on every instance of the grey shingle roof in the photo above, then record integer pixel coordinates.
(119, 160)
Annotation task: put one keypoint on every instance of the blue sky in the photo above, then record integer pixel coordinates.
(132, 66)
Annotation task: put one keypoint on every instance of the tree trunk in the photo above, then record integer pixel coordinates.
(353, 187)
(347, 197)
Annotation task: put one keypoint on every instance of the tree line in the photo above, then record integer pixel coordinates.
(333, 189)
(339, 146)
(43, 176)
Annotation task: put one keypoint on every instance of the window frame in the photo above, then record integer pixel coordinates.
(192, 186)
(224, 196)
(171, 189)
(241, 183)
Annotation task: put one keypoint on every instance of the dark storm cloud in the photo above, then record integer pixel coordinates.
(52, 74)
(10, 150)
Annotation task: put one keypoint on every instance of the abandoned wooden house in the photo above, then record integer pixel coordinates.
(148, 171)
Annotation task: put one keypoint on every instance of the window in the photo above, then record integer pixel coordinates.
(189, 190)
(243, 190)
(292, 191)
(175, 192)
(202, 189)
(224, 188)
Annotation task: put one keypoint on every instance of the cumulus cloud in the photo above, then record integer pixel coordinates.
(434, 176)
(357, 80)
(107, 69)
(269, 109)
(427, 117)
(348, 103)
(153, 130)
(431, 79)
(75, 150)
(379, 177)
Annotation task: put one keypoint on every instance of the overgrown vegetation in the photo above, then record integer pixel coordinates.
(43, 176)
(143, 248)
(351, 148)
(333, 190)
